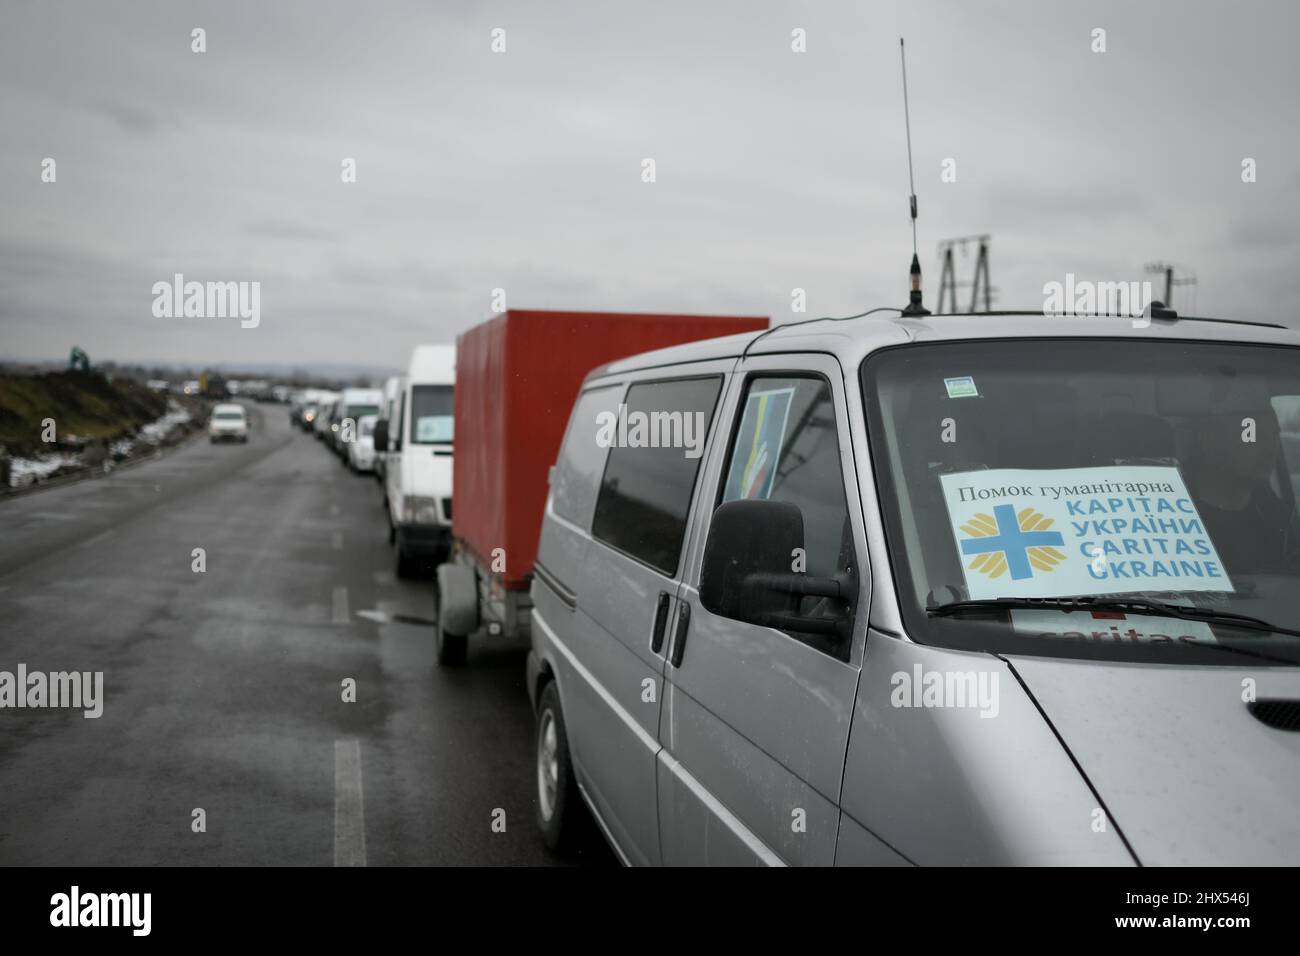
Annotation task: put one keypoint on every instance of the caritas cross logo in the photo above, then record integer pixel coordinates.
(1006, 541)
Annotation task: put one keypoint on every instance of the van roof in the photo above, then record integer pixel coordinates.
(432, 363)
(851, 340)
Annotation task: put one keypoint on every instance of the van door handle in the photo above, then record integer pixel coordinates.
(683, 625)
(661, 623)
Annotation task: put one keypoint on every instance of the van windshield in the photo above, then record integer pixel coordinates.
(1058, 488)
(431, 414)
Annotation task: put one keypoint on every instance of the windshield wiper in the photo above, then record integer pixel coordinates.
(1136, 605)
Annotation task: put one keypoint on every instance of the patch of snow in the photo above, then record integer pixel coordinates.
(23, 471)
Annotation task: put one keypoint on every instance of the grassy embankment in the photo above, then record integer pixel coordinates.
(85, 408)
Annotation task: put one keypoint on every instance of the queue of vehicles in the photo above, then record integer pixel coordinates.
(823, 594)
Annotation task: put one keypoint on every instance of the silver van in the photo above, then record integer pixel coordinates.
(984, 589)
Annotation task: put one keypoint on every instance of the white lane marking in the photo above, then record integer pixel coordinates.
(336, 540)
(379, 617)
(340, 606)
(349, 805)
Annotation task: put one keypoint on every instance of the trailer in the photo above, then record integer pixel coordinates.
(517, 375)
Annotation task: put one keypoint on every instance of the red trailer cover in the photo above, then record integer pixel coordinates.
(516, 378)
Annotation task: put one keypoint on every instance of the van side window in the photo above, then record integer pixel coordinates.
(786, 448)
(582, 458)
(656, 445)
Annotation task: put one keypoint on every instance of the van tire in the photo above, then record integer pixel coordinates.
(567, 827)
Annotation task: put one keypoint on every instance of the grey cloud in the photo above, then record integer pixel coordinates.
(293, 231)
(131, 117)
(522, 170)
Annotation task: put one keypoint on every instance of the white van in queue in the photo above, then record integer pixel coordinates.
(387, 411)
(417, 464)
(361, 450)
(355, 404)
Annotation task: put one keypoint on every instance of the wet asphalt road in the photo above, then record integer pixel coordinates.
(223, 689)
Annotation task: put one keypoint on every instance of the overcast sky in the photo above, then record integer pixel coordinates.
(522, 170)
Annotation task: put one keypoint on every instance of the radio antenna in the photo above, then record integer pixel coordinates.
(914, 306)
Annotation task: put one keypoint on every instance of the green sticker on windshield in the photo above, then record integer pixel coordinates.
(962, 387)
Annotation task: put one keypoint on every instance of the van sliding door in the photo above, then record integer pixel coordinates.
(628, 596)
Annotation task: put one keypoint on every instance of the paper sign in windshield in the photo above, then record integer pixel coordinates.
(433, 428)
(758, 444)
(1111, 627)
(1077, 531)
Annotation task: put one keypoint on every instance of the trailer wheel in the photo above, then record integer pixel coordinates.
(453, 649)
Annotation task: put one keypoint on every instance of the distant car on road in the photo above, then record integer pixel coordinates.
(320, 425)
(307, 408)
(361, 452)
(229, 422)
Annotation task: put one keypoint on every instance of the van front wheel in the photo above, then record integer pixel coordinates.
(560, 814)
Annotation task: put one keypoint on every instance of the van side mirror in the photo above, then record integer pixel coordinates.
(381, 435)
(747, 573)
